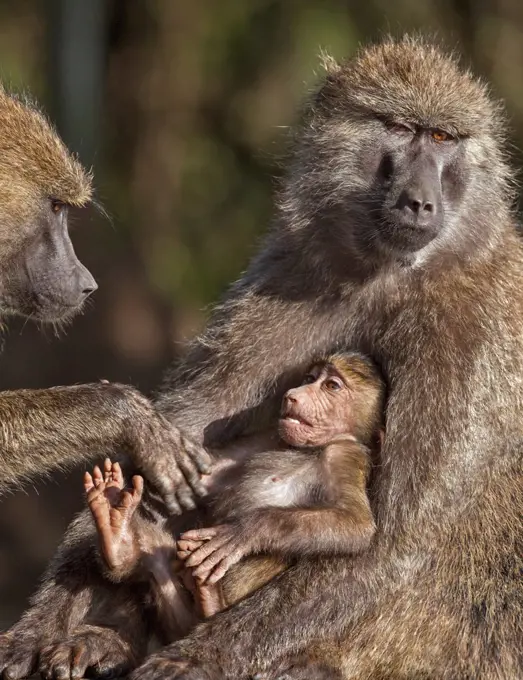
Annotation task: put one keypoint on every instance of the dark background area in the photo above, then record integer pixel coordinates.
(181, 108)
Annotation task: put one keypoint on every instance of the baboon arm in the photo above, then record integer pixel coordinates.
(344, 525)
(44, 429)
(296, 533)
(49, 428)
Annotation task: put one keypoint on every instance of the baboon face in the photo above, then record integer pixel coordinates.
(46, 281)
(40, 275)
(339, 397)
(399, 149)
(419, 181)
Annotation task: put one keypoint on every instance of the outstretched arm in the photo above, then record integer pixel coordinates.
(45, 429)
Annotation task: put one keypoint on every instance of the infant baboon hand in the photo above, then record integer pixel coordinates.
(209, 553)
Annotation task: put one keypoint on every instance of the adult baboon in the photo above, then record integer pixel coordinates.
(395, 233)
(41, 278)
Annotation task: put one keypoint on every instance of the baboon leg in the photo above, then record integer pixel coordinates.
(67, 611)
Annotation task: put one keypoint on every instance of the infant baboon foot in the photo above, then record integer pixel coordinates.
(112, 507)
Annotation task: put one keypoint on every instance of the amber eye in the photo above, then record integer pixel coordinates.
(441, 136)
(308, 379)
(333, 384)
(57, 206)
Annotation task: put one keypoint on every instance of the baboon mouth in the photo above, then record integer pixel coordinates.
(406, 234)
(54, 313)
(294, 419)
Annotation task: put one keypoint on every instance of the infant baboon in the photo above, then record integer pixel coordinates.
(281, 505)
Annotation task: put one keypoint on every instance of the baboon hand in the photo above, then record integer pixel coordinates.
(18, 656)
(91, 650)
(209, 553)
(171, 461)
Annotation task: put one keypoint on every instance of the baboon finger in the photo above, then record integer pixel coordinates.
(188, 545)
(185, 497)
(55, 663)
(182, 492)
(88, 482)
(108, 471)
(207, 566)
(199, 455)
(168, 495)
(191, 474)
(117, 474)
(223, 567)
(21, 669)
(167, 486)
(79, 661)
(199, 535)
(207, 554)
(137, 486)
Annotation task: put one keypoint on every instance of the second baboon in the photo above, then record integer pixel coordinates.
(395, 235)
(41, 278)
(307, 497)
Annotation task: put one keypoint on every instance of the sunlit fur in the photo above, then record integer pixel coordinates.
(35, 165)
(439, 594)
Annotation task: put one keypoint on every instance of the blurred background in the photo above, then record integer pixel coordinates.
(181, 108)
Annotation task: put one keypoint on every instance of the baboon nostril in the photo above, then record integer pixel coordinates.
(88, 291)
(428, 207)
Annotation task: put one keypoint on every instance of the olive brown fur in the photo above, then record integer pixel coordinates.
(395, 235)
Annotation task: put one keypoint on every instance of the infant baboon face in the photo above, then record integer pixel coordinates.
(341, 397)
(318, 411)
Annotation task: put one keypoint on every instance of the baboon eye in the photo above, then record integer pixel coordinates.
(333, 384)
(398, 128)
(57, 206)
(308, 379)
(441, 136)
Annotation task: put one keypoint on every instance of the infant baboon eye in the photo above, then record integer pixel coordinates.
(333, 384)
(441, 136)
(308, 379)
(57, 206)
